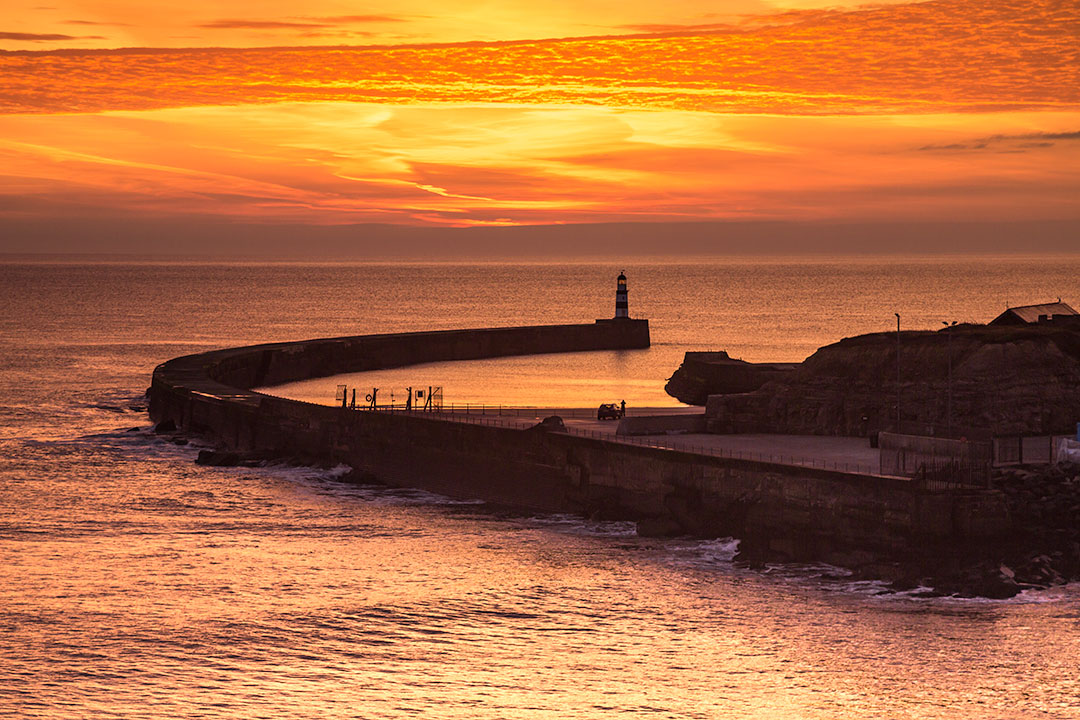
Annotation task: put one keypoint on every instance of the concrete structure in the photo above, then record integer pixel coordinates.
(799, 511)
(1028, 314)
(662, 424)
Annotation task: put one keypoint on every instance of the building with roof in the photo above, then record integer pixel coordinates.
(1029, 314)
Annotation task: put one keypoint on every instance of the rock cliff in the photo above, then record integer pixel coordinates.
(1003, 380)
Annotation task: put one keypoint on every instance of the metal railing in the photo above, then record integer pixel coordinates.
(474, 409)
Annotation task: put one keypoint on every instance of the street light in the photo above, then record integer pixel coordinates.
(948, 405)
(898, 429)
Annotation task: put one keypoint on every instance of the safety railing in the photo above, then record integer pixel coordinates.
(474, 409)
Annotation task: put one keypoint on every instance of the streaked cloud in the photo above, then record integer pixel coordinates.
(930, 111)
(360, 19)
(35, 37)
(1021, 141)
(299, 23)
(95, 23)
(338, 163)
(942, 55)
(136, 23)
(259, 24)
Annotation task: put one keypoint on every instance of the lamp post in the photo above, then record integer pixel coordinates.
(898, 429)
(948, 396)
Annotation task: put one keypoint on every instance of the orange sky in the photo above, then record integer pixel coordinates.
(494, 114)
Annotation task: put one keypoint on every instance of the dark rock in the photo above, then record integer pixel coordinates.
(704, 373)
(927, 594)
(838, 391)
(906, 582)
(360, 477)
(851, 558)
(217, 458)
(180, 441)
(995, 587)
(133, 429)
(988, 582)
(659, 527)
(165, 426)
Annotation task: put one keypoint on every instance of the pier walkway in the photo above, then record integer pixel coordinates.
(846, 454)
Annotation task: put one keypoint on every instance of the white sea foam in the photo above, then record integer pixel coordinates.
(705, 554)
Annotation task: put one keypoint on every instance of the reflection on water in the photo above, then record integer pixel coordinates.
(583, 379)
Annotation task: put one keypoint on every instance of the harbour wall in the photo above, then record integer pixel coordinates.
(798, 511)
(661, 424)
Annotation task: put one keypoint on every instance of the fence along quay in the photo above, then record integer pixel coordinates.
(801, 510)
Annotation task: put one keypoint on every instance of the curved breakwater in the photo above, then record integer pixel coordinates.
(797, 511)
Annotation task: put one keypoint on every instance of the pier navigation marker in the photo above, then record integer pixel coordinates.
(621, 307)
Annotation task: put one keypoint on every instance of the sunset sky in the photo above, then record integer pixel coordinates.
(120, 114)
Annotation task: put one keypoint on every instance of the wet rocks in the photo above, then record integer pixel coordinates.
(218, 458)
(165, 426)
(982, 580)
(226, 458)
(1044, 503)
(659, 527)
(1043, 551)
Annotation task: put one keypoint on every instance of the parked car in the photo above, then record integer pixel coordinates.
(608, 411)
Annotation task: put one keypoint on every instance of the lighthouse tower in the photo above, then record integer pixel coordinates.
(621, 307)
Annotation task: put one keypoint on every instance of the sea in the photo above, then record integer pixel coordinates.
(135, 583)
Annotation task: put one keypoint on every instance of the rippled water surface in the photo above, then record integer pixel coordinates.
(135, 583)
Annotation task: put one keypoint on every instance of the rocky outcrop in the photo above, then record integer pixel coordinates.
(1042, 551)
(705, 373)
(1015, 380)
(1044, 504)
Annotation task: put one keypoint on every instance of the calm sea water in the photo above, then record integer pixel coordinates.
(134, 583)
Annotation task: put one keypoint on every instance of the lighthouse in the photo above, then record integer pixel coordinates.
(621, 308)
(622, 330)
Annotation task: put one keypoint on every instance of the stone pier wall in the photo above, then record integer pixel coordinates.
(800, 511)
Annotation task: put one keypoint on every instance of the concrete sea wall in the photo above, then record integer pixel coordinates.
(800, 511)
(661, 424)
